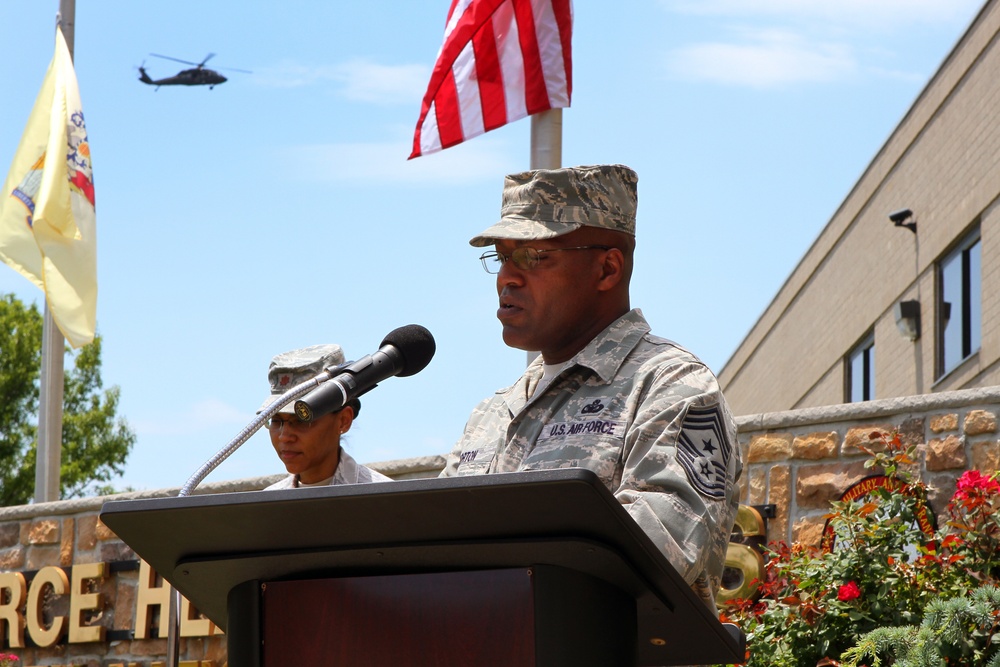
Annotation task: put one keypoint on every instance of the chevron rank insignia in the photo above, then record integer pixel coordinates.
(703, 449)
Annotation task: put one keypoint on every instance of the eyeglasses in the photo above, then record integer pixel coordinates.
(525, 258)
(295, 424)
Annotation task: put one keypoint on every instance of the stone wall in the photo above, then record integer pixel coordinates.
(118, 622)
(800, 460)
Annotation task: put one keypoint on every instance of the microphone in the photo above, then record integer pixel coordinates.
(404, 351)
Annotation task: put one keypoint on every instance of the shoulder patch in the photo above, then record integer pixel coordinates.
(703, 449)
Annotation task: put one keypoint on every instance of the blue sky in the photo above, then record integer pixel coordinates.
(279, 210)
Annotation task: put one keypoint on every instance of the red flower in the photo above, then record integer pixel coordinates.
(848, 592)
(973, 482)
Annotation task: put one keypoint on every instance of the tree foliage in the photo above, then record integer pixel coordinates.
(95, 442)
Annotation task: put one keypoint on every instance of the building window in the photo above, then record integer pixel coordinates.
(860, 383)
(959, 310)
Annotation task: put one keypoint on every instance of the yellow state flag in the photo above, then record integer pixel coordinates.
(47, 223)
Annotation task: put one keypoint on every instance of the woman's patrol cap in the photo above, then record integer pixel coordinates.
(546, 203)
(291, 368)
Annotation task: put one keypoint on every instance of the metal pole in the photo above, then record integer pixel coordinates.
(50, 395)
(546, 139)
(48, 455)
(546, 149)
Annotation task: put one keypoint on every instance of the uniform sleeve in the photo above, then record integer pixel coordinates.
(680, 470)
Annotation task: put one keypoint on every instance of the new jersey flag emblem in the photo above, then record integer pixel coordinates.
(47, 221)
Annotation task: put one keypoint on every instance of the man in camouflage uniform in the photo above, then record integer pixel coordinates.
(311, 451)
(605, 394)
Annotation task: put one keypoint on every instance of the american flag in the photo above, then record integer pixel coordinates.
(501, 60)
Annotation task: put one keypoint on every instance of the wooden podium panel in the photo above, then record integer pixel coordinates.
(208, 546)
(492, 618)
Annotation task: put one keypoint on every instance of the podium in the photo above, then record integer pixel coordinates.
(538, 568)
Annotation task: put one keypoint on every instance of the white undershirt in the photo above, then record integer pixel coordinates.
(549, 372)
(325, 482)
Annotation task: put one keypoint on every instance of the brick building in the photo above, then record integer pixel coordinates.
(899, 295)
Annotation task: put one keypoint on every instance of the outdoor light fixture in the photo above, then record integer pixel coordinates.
(900, 217)
(908, 318)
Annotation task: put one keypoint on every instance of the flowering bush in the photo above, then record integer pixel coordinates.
(884, 571)
(8, 660)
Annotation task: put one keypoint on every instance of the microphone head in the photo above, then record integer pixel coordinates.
(415, 344)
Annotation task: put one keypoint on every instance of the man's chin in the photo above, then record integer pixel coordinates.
(516, 339)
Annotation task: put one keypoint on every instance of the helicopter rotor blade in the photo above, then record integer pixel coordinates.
(207, 58)
(234, 69)
(186, 62)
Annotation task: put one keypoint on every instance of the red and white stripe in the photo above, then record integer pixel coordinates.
(501, 60)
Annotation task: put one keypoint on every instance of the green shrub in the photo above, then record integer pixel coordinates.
(884, 578)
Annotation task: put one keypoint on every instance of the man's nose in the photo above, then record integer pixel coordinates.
(509, 274)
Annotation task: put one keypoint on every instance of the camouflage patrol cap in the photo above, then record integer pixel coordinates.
(546, 203)
(291, 368)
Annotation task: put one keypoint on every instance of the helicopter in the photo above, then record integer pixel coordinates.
(199, 75)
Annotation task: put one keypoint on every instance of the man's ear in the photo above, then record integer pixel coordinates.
(612, 270)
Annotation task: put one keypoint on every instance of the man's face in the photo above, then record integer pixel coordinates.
(545, 308)
(310, 450)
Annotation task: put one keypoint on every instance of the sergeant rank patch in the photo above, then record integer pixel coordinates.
(703, 448)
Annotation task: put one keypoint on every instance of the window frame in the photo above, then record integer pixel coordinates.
(964, 262)
(864, 350)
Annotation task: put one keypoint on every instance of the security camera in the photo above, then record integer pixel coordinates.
(900, 216)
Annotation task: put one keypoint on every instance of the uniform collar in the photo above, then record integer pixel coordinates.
(603, 355)
(606, 353)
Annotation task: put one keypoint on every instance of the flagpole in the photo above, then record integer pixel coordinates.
(546, 149)
(50, 399)
(546, 139)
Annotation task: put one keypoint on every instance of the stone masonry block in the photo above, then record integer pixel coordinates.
(66, 544)
(39, 557)
(946, 454)
(770, 447)
(43, 531)
(978, 422)
(103, 532)
(869, 437)
(86, 532)
(758, 486)
(10, 534)
(12, 560)
(986, 456)
(942, 423)
(809, 530)
(814, 446)
(911, 431)
(779, 493)
(818, 485)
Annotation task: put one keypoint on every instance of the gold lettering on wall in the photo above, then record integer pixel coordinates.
(194, 624)
(55, 579)
(81, 601)
(150, 595)
(13, 592)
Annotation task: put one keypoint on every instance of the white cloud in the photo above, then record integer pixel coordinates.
(880, 14)
(781, 42)
(764, 59)
(358, 79)
(370, 82)
(385, 162)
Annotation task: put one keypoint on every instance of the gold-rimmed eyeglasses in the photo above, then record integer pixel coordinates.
(525, 258)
